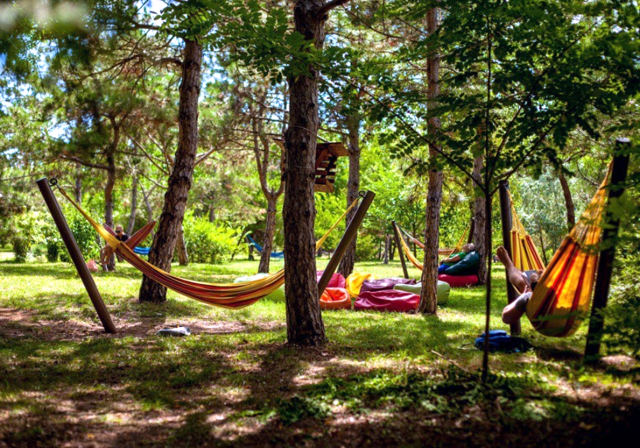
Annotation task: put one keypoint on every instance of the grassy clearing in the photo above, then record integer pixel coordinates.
(382, 378)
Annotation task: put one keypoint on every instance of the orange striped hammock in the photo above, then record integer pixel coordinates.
(224, 295)
(414, 261)
(561, 299)
(523, 252)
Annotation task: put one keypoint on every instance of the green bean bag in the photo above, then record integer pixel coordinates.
(443, 290)
(278, 294)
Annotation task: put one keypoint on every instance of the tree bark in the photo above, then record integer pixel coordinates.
(181, 248)
(269, 231)
(175, 199)
(479, 214)
(387, 247)
(111, 182)
(353, 188)
(304, 320)
(77, 190)
(134, 206)
(429, 293)
(568, 200)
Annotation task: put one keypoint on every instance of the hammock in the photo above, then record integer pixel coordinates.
(259, 248)
(523, 252)
(561, 299)
(414, 261)
(225, 295)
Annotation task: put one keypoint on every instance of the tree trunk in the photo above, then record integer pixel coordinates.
(108, 191)
(304, 320)
(353, 188)
(269, 231)
(77, 190)
(387, 247)
(429, 293)
(568, 200)
(134, 206)
(480, 219)
(175, 199)
(181, 248)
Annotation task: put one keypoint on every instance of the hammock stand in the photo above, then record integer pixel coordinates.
(562, 297)
(235, 295)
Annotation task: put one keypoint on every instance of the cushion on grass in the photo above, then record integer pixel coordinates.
(443, 290)
(457, 281)
(387, 300)
(337, 280)
(384, 284)
(354, 282)
(335, 299)
(278, 294)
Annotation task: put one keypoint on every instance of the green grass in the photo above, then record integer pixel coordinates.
(236, 381)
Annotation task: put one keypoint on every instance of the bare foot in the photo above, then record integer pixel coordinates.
(502, 255)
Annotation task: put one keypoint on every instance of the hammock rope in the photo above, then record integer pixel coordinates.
(224, 295)
(561, 299)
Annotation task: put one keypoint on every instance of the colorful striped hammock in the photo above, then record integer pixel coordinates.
(414, 261)
(523, 252)
(225, 295)
(561, 299)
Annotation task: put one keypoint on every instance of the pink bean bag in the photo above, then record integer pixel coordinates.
(337, 280)
(383, 284)
(458, 281)
(387, 300)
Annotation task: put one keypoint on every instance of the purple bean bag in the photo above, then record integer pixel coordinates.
(337, 280)
(387, 300)
(382, 284)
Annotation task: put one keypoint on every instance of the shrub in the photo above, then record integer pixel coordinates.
(208, 242)
(366, 248)
(21, 247)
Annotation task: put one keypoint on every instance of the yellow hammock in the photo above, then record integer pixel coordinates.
(523, 252)
(414, 261)
(225, 295)
(561, 299)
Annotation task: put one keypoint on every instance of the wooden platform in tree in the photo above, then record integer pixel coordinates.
(326, 160)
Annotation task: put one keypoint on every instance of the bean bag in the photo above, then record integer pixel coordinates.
(384, 284)
(443, 290)
(337, 280)
(278, 294)
(354, 282)
(335, 299)
(467, 266)
(387, 300)
(457, 281)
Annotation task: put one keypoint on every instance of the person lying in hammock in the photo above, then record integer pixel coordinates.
(523, 281)
(454, 258)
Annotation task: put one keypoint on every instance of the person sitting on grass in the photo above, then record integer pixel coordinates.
(524, 282)
(454, 258)
(106, 252)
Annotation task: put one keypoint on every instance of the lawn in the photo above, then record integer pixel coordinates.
(382, 379)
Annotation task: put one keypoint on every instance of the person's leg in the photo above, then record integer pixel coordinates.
(515, 275)
(514, 311)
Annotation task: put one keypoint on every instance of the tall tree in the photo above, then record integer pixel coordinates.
(304, 321)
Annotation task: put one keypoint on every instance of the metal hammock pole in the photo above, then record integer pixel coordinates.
(610, 226)
(76, 255)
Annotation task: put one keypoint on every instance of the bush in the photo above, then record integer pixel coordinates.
(622, 334)
(366, 248)
(21, 247)
(208, 242)
(84, 235)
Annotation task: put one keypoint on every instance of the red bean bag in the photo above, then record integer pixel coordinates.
(337, 280)
(335, 299)
(458, 281)
(383, 284)
(387, 300)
